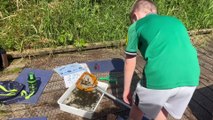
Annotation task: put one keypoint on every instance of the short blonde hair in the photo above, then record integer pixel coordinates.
(143, 5)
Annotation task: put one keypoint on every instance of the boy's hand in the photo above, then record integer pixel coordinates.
(127, 97)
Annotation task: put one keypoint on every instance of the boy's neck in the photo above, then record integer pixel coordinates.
(150, 14)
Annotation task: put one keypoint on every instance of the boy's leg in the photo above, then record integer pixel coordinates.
(135, 113)
(162, 115)
(149, 103)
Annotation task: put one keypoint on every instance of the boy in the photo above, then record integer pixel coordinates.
(172, 71)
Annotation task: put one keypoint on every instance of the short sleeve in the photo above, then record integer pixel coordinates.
(132, 41)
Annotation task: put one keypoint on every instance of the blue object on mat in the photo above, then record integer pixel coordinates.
(34, 118)
(114, 65)
(42, 77)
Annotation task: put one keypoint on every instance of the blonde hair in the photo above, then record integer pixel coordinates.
(144, 5)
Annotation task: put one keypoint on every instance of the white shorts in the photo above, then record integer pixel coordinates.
(175, 100)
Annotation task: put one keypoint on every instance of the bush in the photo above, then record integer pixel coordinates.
(50, 23)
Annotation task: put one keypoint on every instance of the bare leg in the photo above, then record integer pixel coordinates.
(135, 113)
(162, 115)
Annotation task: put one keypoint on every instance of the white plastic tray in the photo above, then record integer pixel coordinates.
(76, 111)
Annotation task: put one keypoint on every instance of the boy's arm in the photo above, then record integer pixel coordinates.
(130, 62)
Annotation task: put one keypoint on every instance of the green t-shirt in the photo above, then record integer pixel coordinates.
(171, 59)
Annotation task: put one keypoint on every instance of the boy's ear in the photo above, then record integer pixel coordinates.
(134, 18)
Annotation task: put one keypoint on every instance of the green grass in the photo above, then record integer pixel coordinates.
(49, 23)
(195, 14)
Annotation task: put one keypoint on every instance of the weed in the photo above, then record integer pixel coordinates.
(79, 44)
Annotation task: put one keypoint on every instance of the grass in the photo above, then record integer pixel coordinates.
(49, 23)
(194, 14)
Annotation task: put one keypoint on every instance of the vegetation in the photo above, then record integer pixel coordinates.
(27, 24)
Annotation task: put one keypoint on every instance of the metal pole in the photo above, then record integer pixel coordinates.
(113, 97)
